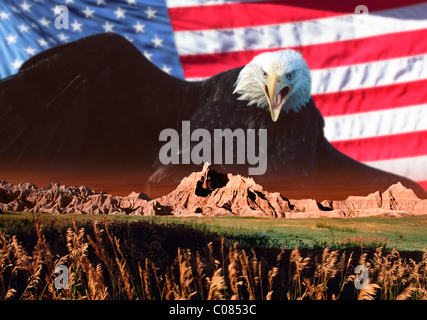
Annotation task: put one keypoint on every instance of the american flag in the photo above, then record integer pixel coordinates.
(31, 26)
(368, 59)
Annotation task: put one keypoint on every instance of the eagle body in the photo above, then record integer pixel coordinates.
(90, 112)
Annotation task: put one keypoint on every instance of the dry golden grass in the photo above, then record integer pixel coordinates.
(99, 269)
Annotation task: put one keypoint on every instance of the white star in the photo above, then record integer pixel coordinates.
(11, 39)
(57, 10)
(129, 39)
(100, 2)
(88, 13)
(63, 37)
(23, 28)
(157, 42)
(108, 27)
(130, 2)
(150, 13)
(166, 69)
(43, 43)
(16, 64)
(139, 27)
(69, 1)
(15, 9)
(147, 55)
(4, 15)
(44, 22)
(30, 51)
(120, 13)
(25, 6)
(76, 25)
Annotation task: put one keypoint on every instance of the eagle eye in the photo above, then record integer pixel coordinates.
(290, 75)
(264, 74)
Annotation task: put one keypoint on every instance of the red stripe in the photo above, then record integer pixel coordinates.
(326, 55)
(237, 15)
(371, 99)
(423, 184)
(385, 147)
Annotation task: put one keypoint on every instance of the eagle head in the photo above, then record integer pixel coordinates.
(275, 81)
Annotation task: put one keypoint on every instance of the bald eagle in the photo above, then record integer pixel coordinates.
(92, 110)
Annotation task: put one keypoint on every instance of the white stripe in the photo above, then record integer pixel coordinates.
(414, 168)
(376, 123)
(193, 3)
(365, 75)
(347, 27)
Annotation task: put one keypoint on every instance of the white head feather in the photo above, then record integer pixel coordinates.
(253, 78)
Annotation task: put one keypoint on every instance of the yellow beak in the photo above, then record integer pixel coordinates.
(274, 96)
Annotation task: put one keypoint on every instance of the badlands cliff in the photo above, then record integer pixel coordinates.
(207, 193)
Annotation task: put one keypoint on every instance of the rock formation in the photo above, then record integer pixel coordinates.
(57, 199)
(207, 193)
(211, 193)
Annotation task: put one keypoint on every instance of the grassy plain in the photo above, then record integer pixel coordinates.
(404, 234)
(133, 257)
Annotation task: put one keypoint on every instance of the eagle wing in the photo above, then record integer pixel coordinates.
(94, 100)
(340, 173)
